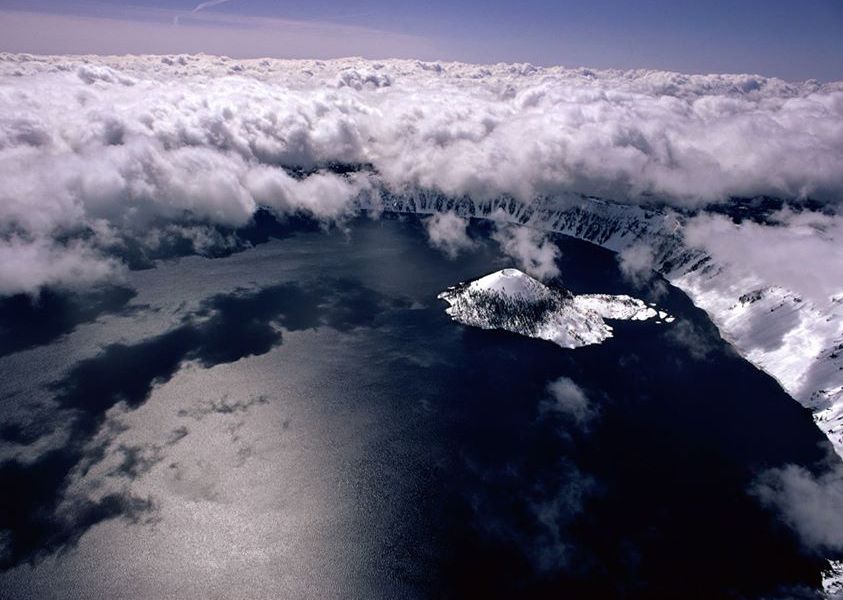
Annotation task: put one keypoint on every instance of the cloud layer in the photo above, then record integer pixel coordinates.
(95, 152)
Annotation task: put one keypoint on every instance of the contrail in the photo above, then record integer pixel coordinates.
(208, 4)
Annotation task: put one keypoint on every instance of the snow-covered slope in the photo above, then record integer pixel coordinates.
(512, 300)
(796, 339)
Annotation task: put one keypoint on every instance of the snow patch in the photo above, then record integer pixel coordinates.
(833, 580)
(513, 301)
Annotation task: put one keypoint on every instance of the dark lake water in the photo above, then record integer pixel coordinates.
(304, 420)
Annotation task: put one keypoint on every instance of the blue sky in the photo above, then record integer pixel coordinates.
(789, 39)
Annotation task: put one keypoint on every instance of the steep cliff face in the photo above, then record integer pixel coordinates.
(796, 340)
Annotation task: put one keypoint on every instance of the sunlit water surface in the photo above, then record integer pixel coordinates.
(303, 420)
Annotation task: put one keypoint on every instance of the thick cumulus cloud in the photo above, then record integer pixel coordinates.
(95, 151)
(25, 266)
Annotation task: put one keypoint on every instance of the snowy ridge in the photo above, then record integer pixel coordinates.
(833, 580)
(797, 341)
(513, 301)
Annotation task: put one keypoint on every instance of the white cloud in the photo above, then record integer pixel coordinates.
(323, 195)
(533, 251)
(810, 504)
(135, 142)
(209, 4)
(798, 251)
(448, 232)
(636, 263)
(27, 266)
(567, 398)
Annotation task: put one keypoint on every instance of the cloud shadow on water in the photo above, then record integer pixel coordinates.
(27, 322)
(38, 516)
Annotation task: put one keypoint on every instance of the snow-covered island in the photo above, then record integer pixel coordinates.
(806, 354)
(513, 301)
